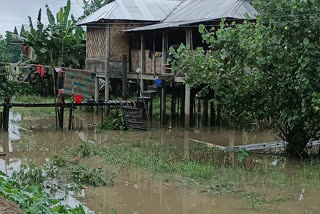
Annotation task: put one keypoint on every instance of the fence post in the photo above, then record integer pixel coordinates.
(124, 77)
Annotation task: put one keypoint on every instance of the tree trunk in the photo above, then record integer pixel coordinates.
(297, 139)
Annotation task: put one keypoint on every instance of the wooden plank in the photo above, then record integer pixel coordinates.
(253, 147)
(67, 105)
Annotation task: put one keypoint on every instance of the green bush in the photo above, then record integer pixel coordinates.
(115, 121)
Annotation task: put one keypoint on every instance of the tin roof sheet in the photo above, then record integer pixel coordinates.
(137, 10)
(196, 11)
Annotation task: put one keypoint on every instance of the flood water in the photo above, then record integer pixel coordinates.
(137, 191)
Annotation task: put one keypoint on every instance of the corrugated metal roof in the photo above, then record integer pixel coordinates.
(137, 10)
(196, 11)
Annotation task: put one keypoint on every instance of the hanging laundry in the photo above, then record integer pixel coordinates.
(57, 69)
(78, 98)
(40, 70)
(151, 54)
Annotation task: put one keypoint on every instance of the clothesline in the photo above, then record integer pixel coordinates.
(35, 65)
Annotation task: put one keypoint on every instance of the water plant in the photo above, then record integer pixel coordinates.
(32, 199)
(29, 175)
(84, 175)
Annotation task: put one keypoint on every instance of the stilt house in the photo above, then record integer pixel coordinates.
(126, 36)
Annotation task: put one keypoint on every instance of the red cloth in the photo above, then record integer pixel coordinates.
(40, 70)
(78, 98)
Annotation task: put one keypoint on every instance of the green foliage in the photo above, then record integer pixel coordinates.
(115, 121)
(61, 42)
(86, 149)
(5, 90)
(267, 68)
(242, 155)
(14, 48)
(90, 6)
(84, 175)
(22, 88)
(32, 199)
(5, 55)
(29, 175)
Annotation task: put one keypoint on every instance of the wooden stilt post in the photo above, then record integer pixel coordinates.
(1, 120)
(173, 106)
(212, 114)
(199, 113)
(71, 116)
(124, 77)
(107, 70)
(192, 108)
(142, 64)
(150, 110)
(205, 112)
(187, 106)
(219, 114)
(164, 49)
(96, 88)
(182, 108)
(163, 106)
(61, 117)
(188, 89)
(6, 113)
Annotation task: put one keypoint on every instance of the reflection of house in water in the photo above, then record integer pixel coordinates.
(126, 35)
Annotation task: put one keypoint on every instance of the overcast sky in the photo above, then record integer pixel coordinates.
(15, 12)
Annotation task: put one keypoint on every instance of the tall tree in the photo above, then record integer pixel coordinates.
(5, 55)
(14, 46)
(90, 6)
(267, 68)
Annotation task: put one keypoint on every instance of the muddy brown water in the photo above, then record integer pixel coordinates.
(137, 191)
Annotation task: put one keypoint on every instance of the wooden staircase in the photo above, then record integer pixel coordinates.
(133, 117)
(149, 94)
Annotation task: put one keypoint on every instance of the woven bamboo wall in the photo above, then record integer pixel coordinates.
(135, 62)
(119, 41)
(150, 64)
(96, 42)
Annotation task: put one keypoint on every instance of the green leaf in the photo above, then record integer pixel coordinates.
(306, 41)
(51, 18)
(39, 16)
(201, 28)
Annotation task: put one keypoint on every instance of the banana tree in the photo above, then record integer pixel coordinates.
(61, 42)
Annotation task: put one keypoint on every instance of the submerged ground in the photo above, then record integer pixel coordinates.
(158, 171)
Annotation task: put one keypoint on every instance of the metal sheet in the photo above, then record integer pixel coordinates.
(137, 10)
(196, 11)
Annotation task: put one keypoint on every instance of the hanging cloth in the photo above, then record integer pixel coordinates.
(40, 70)
(151, 54)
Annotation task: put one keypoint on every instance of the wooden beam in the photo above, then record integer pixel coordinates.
(188, 89)
(124, 77)
(187, 105)
(164, 49)
(142, 63)
(68, 105)
(96, 89)
(163, 106)
(107, 64)
(143, 55)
